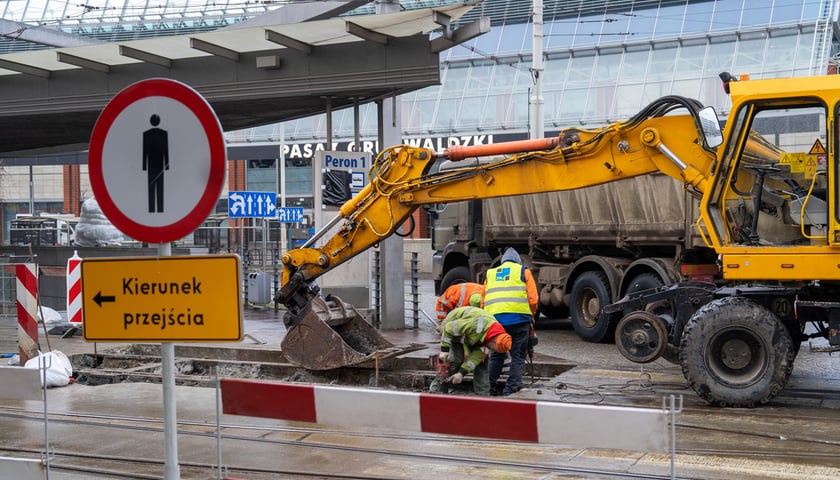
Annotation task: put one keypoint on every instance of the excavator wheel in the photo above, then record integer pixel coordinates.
(329, 333)
(736, 353)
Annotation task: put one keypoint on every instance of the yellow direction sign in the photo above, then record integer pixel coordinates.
(162, 299)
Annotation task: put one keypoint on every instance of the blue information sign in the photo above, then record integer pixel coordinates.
(252, 205)
(290, 214)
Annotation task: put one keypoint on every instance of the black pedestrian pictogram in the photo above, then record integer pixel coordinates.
(155, 161)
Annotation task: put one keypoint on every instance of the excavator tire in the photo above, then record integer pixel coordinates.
(736, 353)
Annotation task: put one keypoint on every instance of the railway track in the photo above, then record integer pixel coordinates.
(415, 449)
(794, 431)
(343, 443)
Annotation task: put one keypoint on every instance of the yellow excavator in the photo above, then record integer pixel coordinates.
(767, 186)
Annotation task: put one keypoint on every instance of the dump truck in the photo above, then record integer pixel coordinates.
(767, 190)
(586, 248)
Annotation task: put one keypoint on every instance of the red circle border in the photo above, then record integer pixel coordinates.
(180, 92)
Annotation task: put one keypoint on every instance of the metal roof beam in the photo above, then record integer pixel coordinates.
(443, 20)
(214, 49)
(145, 56)
(23, 68)
(44, 36)
(300, 12)
(288, 42)
(365, 33)
(461, 35)
(87, 63)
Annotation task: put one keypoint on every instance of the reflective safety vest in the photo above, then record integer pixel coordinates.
(505, 290)
(467, 328)
(457, 296)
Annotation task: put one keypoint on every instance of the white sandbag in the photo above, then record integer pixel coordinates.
(50, 316)
(59, 368)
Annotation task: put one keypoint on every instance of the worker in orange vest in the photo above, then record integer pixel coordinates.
(458, 295)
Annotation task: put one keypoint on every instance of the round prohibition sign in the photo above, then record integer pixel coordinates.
(157, 160)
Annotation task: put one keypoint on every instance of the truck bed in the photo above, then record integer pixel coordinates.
(641, 211)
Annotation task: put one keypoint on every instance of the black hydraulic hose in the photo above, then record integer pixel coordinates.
(410, 228)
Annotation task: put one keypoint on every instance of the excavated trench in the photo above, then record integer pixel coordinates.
(198, 366)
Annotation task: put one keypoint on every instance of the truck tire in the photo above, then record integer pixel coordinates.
(644, 281)
(455, 276)
(590, 293)
(550, 311)
(736, 353)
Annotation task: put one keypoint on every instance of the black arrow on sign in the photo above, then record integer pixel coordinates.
(99, 298)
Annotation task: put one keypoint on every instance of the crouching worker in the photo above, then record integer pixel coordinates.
(466, 336)
(458, 295)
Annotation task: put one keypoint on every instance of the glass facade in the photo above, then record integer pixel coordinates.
(120, 20)
(602, 62)
(603, 59)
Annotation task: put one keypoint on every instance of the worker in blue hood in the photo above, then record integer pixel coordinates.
(510, 294)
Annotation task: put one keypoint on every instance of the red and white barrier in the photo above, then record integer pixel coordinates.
(74, 289)
(589, 426)
(27, 310)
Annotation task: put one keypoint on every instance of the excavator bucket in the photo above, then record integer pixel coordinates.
(329, 333)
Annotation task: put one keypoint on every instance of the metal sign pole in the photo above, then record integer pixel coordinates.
(172, 471)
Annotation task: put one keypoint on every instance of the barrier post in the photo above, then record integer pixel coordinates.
(27, 310)
(74, 289)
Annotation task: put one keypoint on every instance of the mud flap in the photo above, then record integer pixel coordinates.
(329, 333)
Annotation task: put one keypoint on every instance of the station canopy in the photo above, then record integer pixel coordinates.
(252, 76)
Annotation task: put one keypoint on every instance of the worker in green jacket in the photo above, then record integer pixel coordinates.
(466, 335)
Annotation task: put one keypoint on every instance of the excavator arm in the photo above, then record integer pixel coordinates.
(400, 180)
(667, 136)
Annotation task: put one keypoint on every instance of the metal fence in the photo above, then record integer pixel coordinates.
(8, 290)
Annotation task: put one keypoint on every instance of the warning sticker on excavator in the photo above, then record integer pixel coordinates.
(817, 148)
(810, 166)
(795, 160)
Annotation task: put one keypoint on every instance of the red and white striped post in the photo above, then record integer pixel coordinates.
(74, 289)
(27, 309)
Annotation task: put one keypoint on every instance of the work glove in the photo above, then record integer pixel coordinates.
(456, 379)
(443, 357)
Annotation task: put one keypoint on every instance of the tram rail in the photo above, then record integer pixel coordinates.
(815, 450)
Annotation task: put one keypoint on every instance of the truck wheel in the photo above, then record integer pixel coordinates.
(455, 276)
(644, 281)
(736, 353)
(590, 294)
(549, 311)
